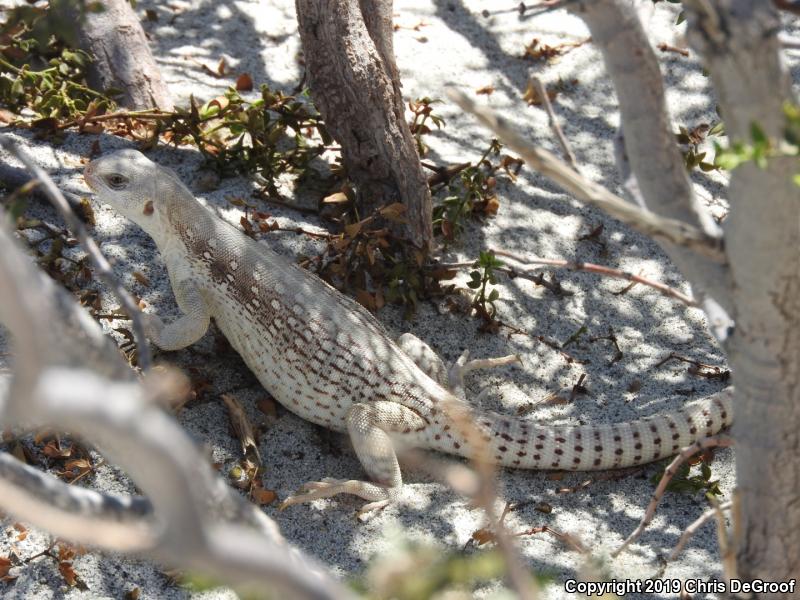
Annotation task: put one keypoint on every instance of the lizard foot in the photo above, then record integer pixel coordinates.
(463, 365)
(379, 495)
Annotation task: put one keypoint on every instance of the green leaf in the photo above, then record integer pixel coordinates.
(758, 135)
(494, 295)
(717, 129)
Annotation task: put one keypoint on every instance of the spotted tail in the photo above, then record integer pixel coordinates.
(521, 443)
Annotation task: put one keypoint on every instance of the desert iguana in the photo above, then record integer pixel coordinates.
(327, 359)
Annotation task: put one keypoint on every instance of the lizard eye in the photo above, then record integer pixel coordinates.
(116, 181)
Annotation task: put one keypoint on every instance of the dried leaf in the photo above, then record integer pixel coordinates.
(492, 205)
(336, 198)
(5, 567)
(531, 95)
(263, 496)
(486, 90)
(19, 453)
(394, 212)
(68, 573)
(53, 450)
(221, 101)
(241, 426)
(366, 299)
(132, 594)
(268, 407)
(483, 536)
(244, 83)
(87, 212)
(353, 229)
(141, 279)
(78, 463)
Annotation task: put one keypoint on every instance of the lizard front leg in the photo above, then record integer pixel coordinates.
(372, 428)
(187, 329)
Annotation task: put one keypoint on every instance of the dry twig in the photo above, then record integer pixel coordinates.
(553, 121)
(646, 222)
(697, 524)
(717, 441)
(89, 245)
(600, 270)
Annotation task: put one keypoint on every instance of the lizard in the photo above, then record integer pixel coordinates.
(327, 359)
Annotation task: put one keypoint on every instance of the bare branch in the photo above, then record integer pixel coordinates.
(649, 141)
(485, 493)
(181, 522)
(601, 270)
(697, 524)
(646, 222)
(553, 121)
(717, 441)
(81, 515)
(89, 245)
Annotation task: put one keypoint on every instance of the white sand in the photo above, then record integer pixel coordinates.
(456, 45)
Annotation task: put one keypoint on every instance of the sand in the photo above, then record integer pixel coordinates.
(439, 44)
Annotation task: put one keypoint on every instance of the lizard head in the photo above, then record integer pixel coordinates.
(134, 186)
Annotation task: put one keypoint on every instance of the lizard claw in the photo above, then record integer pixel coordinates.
(329, 487)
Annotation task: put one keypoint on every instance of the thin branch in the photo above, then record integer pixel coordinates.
(574, 266)
(485, 493)
(697, 524)
(565, 538)
(164, 462)
(89, 245)
(601, 270)
(149, 114)
(553, 121)
(191, 518)
(717, 441)
(646, 222)
(730, 569)
(84, 516)
(513, 273)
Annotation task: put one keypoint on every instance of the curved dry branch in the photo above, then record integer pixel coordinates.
(182, 521)
(84, 516)
(89, 245)
(717, 441)
(646, 222)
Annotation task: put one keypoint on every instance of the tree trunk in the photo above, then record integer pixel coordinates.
(122, 58)
(738, 39)
(355, 85)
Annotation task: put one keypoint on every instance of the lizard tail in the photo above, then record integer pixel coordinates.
(523, 444)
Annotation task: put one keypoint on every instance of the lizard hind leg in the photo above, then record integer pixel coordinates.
(424, 357)
(372, 427)
(451, 378)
